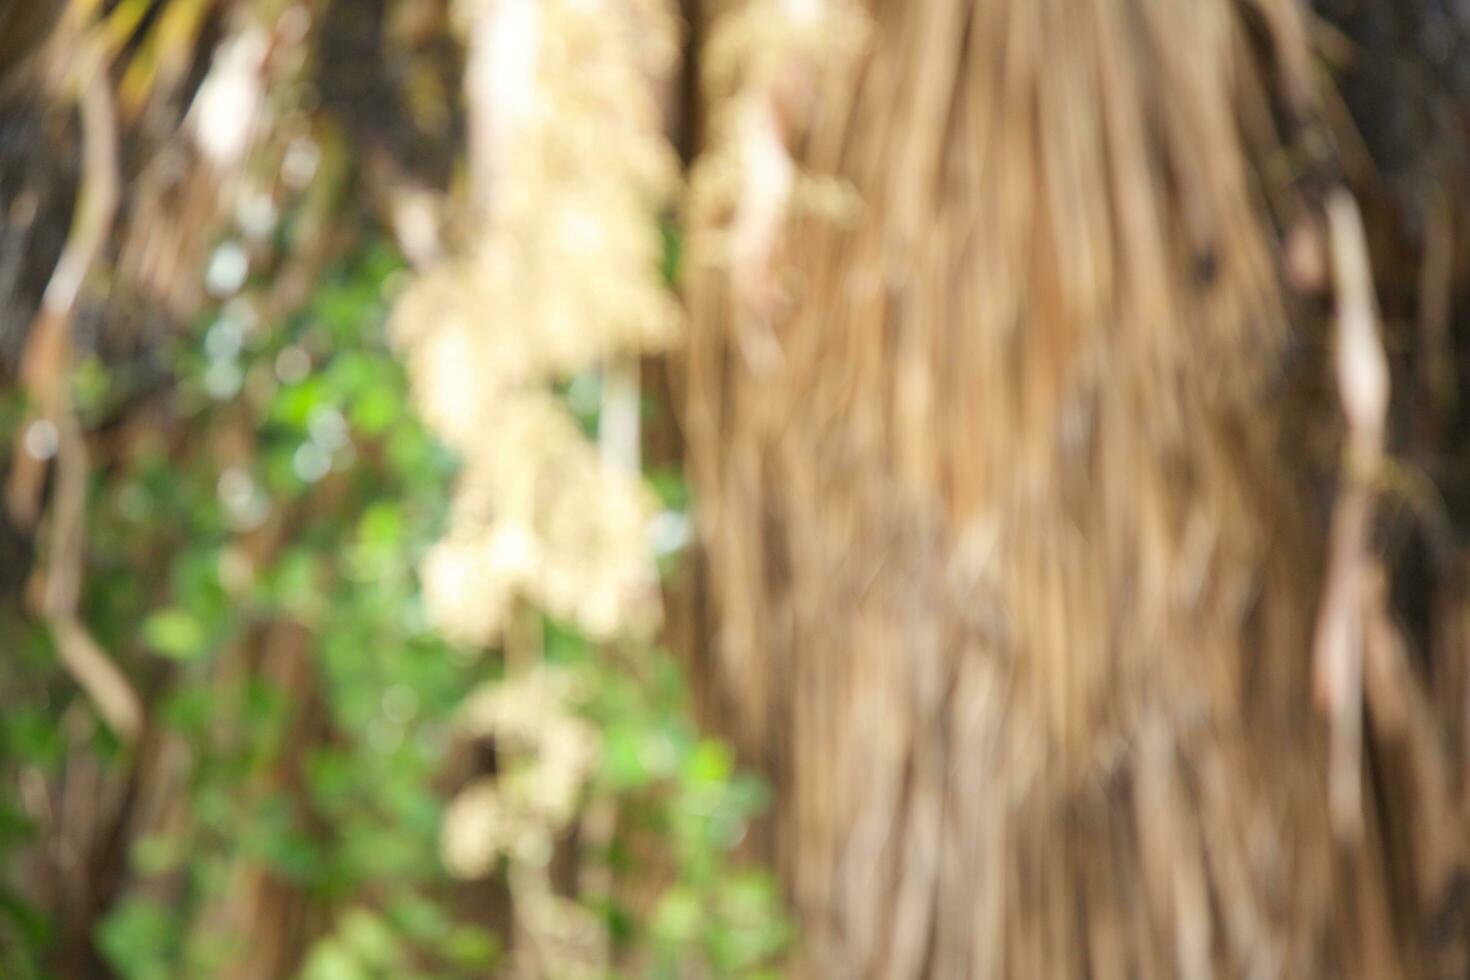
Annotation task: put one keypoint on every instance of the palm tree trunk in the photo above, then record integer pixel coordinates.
(1017, 454)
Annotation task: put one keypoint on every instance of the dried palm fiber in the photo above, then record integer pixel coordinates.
(1015, 569)
(558, 275)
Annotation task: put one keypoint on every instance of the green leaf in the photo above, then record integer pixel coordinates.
(189, 710)
(623, 764)
(159, 854)
(371, 939)
(423, 920)
(30, 734)
(31, 930)
(470, 946)
(677, 915)
(331, 961)
(563, 644)
(175, 633)
(711, 762)
(137, 939)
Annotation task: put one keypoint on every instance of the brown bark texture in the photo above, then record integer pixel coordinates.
(1021, 412)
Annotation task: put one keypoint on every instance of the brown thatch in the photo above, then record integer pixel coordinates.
(1016, 486)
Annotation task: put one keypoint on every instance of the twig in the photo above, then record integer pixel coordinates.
(1363, 387)
(46, 360)
(45, 372)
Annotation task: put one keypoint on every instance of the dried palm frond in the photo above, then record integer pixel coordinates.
(1015, 556)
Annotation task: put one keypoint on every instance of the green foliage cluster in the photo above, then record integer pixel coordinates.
(252, 551)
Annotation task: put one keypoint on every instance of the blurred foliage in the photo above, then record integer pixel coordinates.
(284, 497)
(261, 497)
(326, 462)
